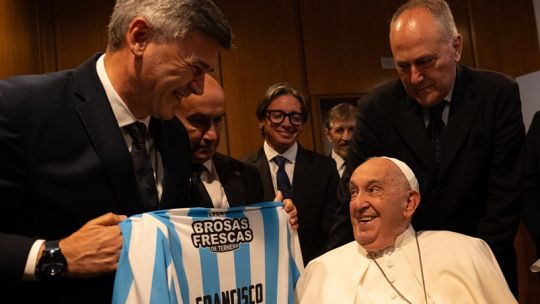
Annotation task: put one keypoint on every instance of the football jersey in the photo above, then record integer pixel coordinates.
(206, 255)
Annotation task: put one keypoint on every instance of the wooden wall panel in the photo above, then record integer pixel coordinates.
(80, 29)
(344, 41)
(267, 50)
(19, 43)
(505, 37)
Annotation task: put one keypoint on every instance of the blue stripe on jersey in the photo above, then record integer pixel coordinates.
(294, 273)
(271, 253)
(124, 277)
(242, 260)
(160, 291)
(209, 262)
(176, 251)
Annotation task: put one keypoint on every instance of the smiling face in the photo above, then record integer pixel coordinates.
(340, 134)
(203, 116)
(425, 58)
(281, 136)
(173, 70)
(381, 205)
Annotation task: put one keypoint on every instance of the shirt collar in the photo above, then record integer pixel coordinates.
(290, 154)
(211, 173)
(121, 112)
(339, 160)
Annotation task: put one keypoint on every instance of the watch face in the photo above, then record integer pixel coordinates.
(52, 264)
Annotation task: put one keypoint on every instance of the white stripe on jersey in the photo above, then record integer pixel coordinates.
(200, 255)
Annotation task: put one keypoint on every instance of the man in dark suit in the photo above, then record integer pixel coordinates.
(308, 178)
(531, 208)
(75, 157)
(339, 130)
(219, 181)
(459, 129)
(227, 181)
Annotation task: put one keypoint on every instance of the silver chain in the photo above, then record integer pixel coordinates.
(421, 271)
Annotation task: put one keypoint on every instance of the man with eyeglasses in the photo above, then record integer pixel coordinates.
(460, 129)
(308, 178)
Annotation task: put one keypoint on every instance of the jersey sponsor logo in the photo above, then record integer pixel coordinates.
(245, 295)
(221, 234)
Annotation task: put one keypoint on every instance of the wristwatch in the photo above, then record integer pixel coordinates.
(52, 263)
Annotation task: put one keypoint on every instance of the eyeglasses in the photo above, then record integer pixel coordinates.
(278, 116)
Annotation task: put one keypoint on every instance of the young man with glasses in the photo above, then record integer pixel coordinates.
(308, 178)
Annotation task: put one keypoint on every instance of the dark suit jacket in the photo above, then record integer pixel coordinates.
(478, 186)
(531, 209)
(314, 191)
(240, 181)
(64, 161)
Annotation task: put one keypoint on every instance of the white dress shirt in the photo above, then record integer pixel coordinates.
(210, 179)
(340, 162)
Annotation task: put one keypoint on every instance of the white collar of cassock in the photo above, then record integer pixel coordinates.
(403, 239)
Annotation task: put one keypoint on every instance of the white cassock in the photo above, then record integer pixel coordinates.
(457, 269)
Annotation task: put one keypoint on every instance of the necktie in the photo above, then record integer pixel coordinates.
(197, 191)
(283, 183)
(435, 128)
(144, 174)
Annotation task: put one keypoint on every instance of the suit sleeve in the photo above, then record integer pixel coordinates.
(531, 208)
(503, 208)
(255, 178)
(331, 205)
(14, 249)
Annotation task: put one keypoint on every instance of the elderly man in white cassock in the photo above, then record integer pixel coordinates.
(391, 263)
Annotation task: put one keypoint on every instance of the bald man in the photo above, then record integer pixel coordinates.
(460, 129)
(228, 182)
(389, 262)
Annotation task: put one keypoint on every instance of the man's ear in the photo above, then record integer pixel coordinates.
(412, 203)
(457, 46)
(138, 36)
(328, 134)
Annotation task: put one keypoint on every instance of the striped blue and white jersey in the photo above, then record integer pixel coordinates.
(206, 255)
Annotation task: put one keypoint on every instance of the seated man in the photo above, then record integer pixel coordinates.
(390, 261)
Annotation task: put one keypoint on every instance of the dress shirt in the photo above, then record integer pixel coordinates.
(290, 155)
(210, 179)
(446, 110)
(124, 117)
(340, 162)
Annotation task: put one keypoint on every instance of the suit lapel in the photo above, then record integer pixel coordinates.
(261, 163)
(106, 137)
(303, 170)
(409, 123)
(230, 179)
(463, 109)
